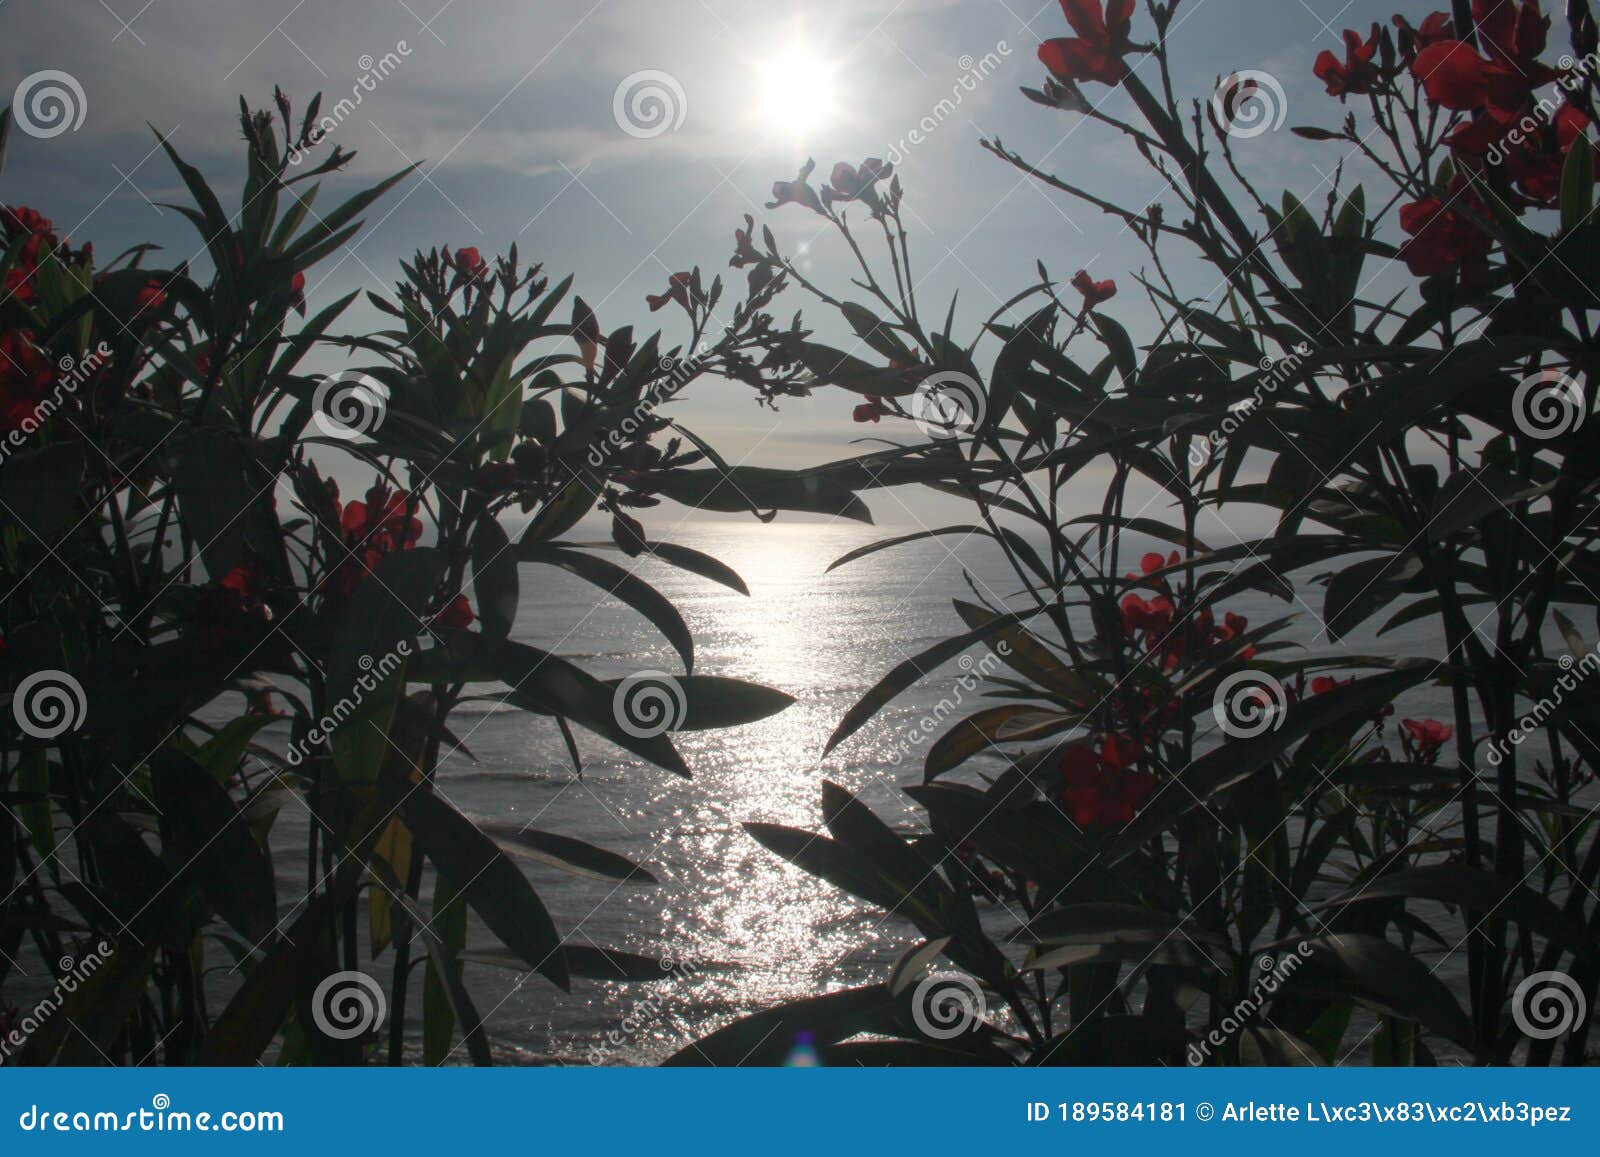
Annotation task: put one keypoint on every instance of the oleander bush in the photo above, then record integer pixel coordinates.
(1189, 842)
(182, 570)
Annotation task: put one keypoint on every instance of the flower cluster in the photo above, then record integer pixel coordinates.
(1164, 628)
(386, 522)
(1502, 136)
(1100, 784)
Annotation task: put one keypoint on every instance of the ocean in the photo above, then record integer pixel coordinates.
(736, 928)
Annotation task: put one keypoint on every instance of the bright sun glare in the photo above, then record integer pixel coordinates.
(796, 93)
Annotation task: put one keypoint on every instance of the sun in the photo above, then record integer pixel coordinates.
(796, 93)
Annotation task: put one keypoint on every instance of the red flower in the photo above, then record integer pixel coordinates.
(37, 237)
(847, 183)
(1151, 617)
(467, 262)
(1455, 76)
(1098, 790)
(1532, 154)
(384, 524)
(230, 615)
(1436, 27)
(297, 293)
(149, 297)
(456, 616)
(1354, 75)
(1094, 292)
(871, 410)
(1103, 28)
(1440, 238)
(797, 191)
(25, 377)
(679, 286)
(1423, 738)
(1322, 684)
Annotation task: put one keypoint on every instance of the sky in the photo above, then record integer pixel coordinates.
(511, 107)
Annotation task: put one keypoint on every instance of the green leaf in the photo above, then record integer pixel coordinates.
(497, 891)
(712, 702)
(367, 659)
(622, 583)
(758, 488)
(1376, 973)
(833, 367)
(40, 489)
(767, 1038)
(494, 578)
(568, 854)
(1360, 591)
(1577, 185)
(205, 837)
(913, 669)
(550, 685)
(966, 531)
